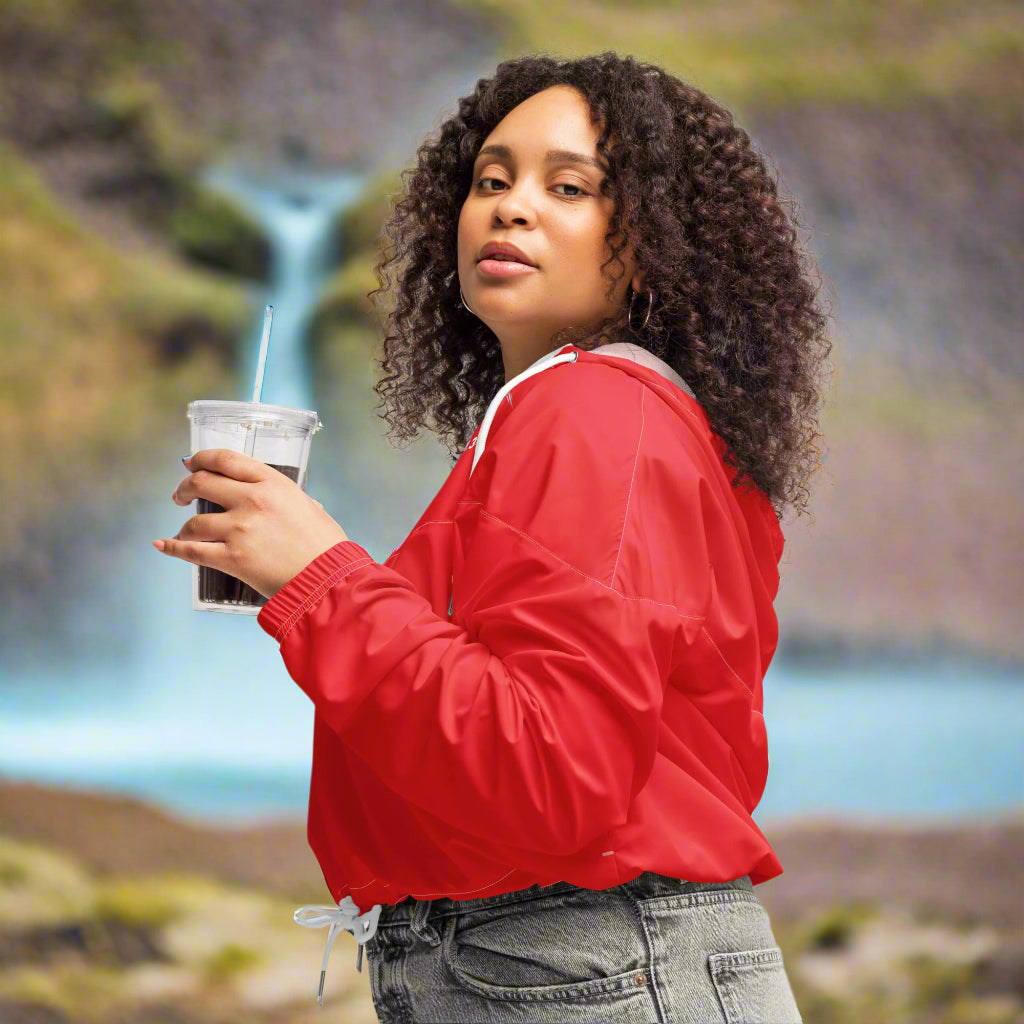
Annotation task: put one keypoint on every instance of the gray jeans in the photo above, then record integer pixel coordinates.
(655, 949)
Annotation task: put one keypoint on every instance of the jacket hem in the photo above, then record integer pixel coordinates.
(611, 872)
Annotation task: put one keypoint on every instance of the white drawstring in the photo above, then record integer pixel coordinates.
(344, 917)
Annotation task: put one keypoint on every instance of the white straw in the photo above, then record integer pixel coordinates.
(261, 369)
(261, 366)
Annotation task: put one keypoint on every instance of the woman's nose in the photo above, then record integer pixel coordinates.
(514, 205)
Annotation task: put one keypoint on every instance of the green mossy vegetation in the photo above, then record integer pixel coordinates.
(835, 928)
(981, 1010)
(211, 230)
(835, 933)
(230, 961)
(83, 993)
(937, 983)
(359, 225)
(41, 886)
(343, 302)
(137, 901)
(86, 372)
(343, 330)
(760, 56)
(202, 225)
(218, 939)
(101, 347)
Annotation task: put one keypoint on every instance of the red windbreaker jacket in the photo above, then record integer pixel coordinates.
(557, 674)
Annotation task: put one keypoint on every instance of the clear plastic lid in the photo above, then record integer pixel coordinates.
(258, 413)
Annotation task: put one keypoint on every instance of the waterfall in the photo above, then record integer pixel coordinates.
(296, 212)
(200, 714)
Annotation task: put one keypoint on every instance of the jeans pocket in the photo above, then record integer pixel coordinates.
(753, 987)
(539, 950)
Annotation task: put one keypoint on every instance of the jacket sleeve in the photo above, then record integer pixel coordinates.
(534, 715)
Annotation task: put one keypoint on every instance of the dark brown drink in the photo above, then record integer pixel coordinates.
(220, 587)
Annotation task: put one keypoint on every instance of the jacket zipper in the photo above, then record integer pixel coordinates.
(451, 600)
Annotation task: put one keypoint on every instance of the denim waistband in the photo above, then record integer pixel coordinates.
(647, 884)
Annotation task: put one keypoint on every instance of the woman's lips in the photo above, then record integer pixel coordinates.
(504, 268)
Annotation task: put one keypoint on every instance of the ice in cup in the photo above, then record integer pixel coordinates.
(280, 437)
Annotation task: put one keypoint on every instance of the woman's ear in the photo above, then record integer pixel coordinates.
(637, 284)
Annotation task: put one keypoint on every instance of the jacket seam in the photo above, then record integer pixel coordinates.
(629, 494)
(749, 690)
(671, 392)
(432, 522)
(348, 885)
(586, 576)
(318, 592)
(460, 892)
(689, 413)
(430, 895)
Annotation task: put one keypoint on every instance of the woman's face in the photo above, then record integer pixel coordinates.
(534, 193)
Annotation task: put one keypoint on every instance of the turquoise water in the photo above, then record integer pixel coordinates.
(230, 737)
(932, 740)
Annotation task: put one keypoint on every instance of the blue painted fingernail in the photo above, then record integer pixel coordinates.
(184, 459)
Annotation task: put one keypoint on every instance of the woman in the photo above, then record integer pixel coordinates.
(538, 737)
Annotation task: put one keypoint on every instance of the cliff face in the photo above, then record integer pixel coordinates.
(915, 215)
(903, 152)
(124, 283)
(115, 102)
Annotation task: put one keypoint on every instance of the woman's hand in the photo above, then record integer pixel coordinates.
(269, 531)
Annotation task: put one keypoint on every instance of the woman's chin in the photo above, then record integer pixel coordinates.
(507, 314)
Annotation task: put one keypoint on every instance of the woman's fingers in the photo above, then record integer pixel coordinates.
(229, 463)
(202, 540)
(212, 554)
(205, 526)
(205, 484)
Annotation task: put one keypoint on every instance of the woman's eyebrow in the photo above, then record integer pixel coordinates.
(552, 155)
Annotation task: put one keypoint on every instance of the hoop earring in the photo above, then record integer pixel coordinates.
(650, 306)
(465, 305)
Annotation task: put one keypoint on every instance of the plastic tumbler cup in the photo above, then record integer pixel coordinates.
(273, 434)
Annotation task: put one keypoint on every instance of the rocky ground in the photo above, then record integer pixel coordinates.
(112, 911)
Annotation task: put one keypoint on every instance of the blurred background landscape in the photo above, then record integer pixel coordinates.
(166, 169)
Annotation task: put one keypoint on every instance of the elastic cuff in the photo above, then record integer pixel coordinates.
(303, 591)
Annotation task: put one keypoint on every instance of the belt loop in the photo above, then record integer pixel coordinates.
(420, 926)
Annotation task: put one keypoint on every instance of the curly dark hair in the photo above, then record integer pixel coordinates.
(735, 312)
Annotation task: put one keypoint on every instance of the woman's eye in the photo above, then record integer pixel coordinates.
(564, 184)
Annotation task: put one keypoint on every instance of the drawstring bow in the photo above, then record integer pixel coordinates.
(344, 917)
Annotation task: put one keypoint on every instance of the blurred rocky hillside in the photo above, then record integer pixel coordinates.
(899, 132)
(126, 286)
(898, 128)
(118, 103)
